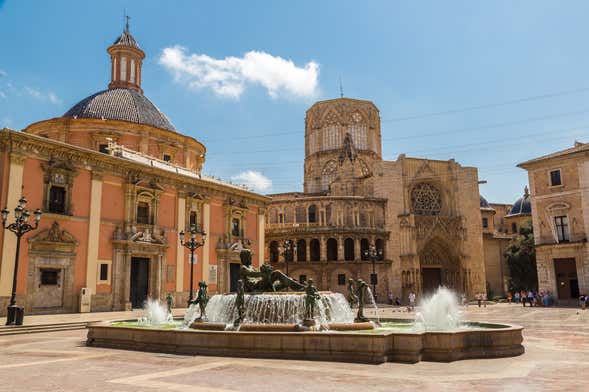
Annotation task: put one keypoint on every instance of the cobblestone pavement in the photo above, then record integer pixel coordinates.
(556, 359)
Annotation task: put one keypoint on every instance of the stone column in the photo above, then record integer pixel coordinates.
(323, 249)
(340, 248)
(261, 235)
(206, 222)
(15, 180)
(308, 250)
(357, 255)
(93, 232)
(127, 281)
(180, 255)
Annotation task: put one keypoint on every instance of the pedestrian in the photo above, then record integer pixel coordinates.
(479, 298)
(390, 296)
(508, 296)
(397, 301)
(411, 300)
(516, 297)
(531, 298)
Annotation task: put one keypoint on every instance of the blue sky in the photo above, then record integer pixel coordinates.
(489, 84)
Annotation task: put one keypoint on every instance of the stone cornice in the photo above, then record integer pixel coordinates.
(21, 143)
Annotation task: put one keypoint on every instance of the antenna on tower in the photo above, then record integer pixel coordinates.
(341, 88)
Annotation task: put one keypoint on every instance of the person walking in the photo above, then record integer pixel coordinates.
(412, 300)
(479, 298)
(516, 297)
(531, 298)
(508, 296)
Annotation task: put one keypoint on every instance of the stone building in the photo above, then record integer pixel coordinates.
(559, 191)
(117, 182)
(423, 215)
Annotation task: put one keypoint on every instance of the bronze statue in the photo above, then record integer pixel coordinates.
(240, 303)
(266, 279)
(352, 297)
(201, 300)
(361, 292)
(311, 298)
(169, 302)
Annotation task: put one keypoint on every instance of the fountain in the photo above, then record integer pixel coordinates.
(154, 314)
(274, 316)
(439, 312)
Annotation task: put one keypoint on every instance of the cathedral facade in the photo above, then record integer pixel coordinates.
(423, 217)
(117, 183)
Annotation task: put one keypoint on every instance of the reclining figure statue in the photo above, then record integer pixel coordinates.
(266, 279)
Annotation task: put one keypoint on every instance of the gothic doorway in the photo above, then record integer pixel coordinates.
(432, 279)
(139, 281)
(438, 267)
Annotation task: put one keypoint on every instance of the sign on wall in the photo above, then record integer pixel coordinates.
(212, 274)
(193, 260)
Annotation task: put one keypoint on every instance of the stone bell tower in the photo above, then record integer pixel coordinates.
(126, 58)
(342, 143)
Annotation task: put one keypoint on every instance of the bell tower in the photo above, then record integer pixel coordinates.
(126, 58)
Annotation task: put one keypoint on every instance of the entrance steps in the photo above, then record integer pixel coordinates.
(6, 330)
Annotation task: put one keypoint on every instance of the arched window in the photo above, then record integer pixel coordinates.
(273, 252)
(426, 199)
(301, 250)
(315, 249)
(513, 228)
(132, 72)
(379, 243)
(332, 249)
(364, 246)
(312, 213)
(123, 68)
(328, 174)
(349, 249)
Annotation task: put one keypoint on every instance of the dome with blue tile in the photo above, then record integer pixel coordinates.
(523, 205)
(484, 204)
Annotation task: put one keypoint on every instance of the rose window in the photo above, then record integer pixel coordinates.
(426, 200)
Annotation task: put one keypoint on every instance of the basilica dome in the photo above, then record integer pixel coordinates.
(523, 205)
(123, 104)
(484, 204)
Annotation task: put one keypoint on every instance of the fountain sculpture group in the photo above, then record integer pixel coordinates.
(273, 316)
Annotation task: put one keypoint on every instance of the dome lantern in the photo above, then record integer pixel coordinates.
(126, 58)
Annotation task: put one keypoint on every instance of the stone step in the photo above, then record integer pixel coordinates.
(28, 329)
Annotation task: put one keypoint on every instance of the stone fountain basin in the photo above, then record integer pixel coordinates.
(490, 341)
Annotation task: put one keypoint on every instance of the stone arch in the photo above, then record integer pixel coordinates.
(349, 249)
(364, 246)
(315, 250)
(331, 249)
(379, 243)
(301, 250)
(439, 266)
(312, 213)
(274, 253)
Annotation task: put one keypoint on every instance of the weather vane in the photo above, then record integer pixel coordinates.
(341, 88)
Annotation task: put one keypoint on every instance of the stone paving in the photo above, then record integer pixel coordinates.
(556, 359)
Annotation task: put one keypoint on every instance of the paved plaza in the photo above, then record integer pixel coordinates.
(556, 359)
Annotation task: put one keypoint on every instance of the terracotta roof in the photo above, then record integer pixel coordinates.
(578, 147)
(126, 39)
(120, 104)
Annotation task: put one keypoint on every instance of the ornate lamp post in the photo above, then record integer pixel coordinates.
(373, 254)
(20, 226)
(193, 245)
(287, 248)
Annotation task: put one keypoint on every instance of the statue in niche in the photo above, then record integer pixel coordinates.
(266, 278)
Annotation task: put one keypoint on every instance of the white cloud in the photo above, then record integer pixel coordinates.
(254, 180)
(3, 73)
(37, 94)
(230, 76)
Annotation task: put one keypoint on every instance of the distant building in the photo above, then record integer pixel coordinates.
(559, 185)
(425, 215)
(117, 182)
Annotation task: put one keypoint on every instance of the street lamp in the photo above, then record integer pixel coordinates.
(373, 254)
(287, 248)
(193, 245)
(20, 226)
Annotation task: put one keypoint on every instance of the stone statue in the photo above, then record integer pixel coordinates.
(361, 292)
(311, 298)
(352, 297)
(266, 279)
(240, 303)
(169, 302)
(201, 300)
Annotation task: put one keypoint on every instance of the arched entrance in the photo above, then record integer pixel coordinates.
(438, 267)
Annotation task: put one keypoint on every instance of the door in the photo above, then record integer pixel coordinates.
(139, 281)
(431, 279)
(49, 292)
(233, 276)
(565, 271)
